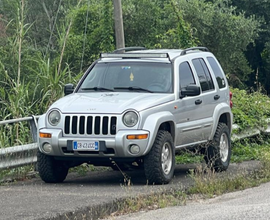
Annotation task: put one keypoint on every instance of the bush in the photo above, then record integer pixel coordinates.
(250, 110)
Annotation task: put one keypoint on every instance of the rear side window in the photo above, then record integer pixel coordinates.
(203, 74)
(185, 75)
(218, 72)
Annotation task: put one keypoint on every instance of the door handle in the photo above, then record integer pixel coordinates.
(199, 101)
(216, 97)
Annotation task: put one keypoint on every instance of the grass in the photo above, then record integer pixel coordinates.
(17, 174)
(186, 157)
(209, 183)
(152, 202)
(250, 149)
(242, 150)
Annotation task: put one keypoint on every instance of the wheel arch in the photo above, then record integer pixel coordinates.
(156, 122)
(222, 114)
(168, 126)
(226, 119)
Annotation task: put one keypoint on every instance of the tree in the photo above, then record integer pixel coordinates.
(155, 24)
(258, 54)
(226, 32)
(91, 33)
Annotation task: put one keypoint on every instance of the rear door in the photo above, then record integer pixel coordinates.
(209, 96)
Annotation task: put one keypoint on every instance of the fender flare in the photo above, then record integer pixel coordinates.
(220, 110)
(152, 124)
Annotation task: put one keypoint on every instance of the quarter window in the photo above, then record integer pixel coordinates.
(203, 74)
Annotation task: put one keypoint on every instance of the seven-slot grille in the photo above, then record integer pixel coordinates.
(90, 125)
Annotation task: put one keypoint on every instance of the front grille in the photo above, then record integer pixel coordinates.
(90, 125)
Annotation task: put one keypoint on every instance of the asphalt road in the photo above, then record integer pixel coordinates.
(250, 204)
(85, 197)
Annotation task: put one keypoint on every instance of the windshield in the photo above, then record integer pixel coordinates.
(129, 76)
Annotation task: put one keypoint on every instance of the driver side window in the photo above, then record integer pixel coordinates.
(185, 75)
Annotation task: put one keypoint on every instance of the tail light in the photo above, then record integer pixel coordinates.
(231, 104)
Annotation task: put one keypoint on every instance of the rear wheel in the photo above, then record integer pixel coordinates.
(159, 163)
(218, 154)
(51, 170)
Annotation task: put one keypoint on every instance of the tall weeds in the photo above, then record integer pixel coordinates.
(34, 80)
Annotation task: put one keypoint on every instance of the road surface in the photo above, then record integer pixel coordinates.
(86, 196)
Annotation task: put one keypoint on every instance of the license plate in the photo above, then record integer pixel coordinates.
(85, 145)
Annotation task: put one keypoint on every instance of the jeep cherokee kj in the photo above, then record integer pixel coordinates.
(137, 107)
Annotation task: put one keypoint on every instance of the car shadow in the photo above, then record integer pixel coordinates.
(126, 178)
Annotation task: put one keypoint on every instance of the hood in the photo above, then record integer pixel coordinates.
(109, 103)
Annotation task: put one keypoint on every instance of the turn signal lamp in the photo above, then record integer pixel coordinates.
(137, 136)
(45, 135)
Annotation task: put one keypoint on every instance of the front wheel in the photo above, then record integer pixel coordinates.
(159, 163)
(51, 170)
(218, 154)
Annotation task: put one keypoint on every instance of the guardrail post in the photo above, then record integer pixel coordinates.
(33, 127)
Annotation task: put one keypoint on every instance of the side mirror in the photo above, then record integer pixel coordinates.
(190, 90)
(68, 89)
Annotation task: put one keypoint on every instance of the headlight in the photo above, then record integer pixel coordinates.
(130, 119)
(54, 117)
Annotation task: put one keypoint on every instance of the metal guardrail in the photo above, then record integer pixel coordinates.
(11, 157)
(16, 156)
(250, 132)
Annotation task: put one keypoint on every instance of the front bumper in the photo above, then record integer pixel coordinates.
(113, 146)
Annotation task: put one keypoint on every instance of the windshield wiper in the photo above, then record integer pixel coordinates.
(98, 89)
(135, 88)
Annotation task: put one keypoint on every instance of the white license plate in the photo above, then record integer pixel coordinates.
(85, 145)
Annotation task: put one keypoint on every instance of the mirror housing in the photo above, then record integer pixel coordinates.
(190, 90)
(68, 89)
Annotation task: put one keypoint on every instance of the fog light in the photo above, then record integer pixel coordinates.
(134, 149)
(47, 147)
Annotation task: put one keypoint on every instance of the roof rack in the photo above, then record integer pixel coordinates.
(134, 55)
(125, 49)
(184, 52)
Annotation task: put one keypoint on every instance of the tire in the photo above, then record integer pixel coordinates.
(218, 154)
(51, 170)
(159, 163)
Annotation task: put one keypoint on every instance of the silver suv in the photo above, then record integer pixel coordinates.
(137, 108)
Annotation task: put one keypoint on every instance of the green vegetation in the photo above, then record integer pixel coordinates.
(250, 149)
(17, 174)
(250, 110)
(46, 44)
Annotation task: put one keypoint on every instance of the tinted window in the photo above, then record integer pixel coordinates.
(207, 74)
(185, 75)
(217, 71)
(203, 74)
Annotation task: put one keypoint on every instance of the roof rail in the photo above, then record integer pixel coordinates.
(125, 49)
(134, 55)
(184, 52)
